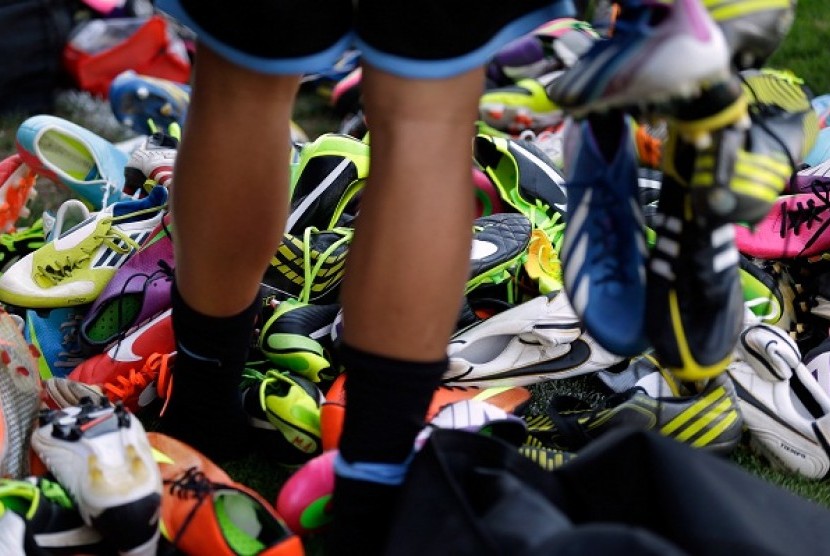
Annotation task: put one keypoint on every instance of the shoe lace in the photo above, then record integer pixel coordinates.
(164, 380)
(71, 354)
(63, 266)
(55, 493)
(190, 484)
(124, 387)
(310, 272)
(252, 377)
(805, 215)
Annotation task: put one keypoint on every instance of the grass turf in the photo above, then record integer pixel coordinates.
(803, 52)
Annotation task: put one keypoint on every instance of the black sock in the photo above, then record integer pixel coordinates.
(363, 517)
(386, 403)
(205, 408)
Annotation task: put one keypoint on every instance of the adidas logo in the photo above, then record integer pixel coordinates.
(705, 420)
(114, 258)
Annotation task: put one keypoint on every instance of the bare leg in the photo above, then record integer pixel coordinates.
(410, 257)
(229, 205)
(230, 195)
(401, 297)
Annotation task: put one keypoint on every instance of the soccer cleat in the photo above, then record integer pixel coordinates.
(784, 408)
(304, 500)
(19, 398)
(694, 302)
(101, 455)
(710, 419)
(137, 100)
(56, 335)
(138, 291)
(512, 399)
(19, 243)
(536, 341)
(499, 243)
(742, 174)
(794, 229)
(604, 251)
(308, 267)
(753, 30)
(288, 407)
(526, 179)
(151, 165)
(330, 174)
(74, 268)
(124, 371)
(296, 337)
(60, 393)
(17, 188)
(52, 522)
(66, 153)
(639, 63)
(204, 511)
(521, 106)
(552, 46)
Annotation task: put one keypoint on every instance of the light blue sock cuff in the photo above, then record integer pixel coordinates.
(392, 474)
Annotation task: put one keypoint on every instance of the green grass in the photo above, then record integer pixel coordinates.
(804, 52)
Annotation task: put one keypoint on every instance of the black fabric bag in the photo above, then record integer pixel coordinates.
(34, 35)
(630, 492)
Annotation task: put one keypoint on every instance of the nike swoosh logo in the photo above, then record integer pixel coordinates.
(579, 354)
(304, 205)
(77, 538)
(123, 351)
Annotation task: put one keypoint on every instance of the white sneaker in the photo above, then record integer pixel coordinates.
(783, 406)
(101, 455)
(535, 341)
(73, 268)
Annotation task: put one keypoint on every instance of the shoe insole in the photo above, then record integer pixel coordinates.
(114, 318)
(238, 519)
(68, 154)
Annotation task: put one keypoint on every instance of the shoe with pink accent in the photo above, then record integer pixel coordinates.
(123, 370)
(658, 52)
(795, 228)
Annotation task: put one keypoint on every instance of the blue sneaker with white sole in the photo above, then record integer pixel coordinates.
(604, 251)
(66, 153)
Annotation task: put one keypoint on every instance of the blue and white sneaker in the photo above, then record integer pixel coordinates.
(136, 100)
(56, 335)
(604, 252)
(657, 52)
(66, 153)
